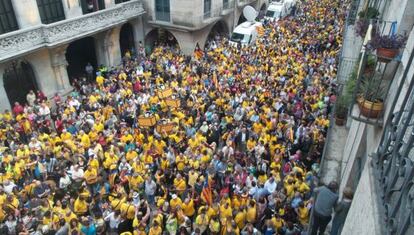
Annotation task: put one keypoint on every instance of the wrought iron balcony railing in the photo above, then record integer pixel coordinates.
(23, 41)
(393, 164)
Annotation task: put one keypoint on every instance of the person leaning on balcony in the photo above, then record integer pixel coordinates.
(341, 211)
(326, 200)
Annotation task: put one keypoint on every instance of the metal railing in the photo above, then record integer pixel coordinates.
(374, 78)
(393, 164)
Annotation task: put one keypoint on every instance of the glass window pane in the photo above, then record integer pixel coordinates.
(50, 10)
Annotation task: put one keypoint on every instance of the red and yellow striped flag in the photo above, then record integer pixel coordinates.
(207, 194)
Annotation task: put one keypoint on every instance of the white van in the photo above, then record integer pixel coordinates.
(245, 33)
(276, 10)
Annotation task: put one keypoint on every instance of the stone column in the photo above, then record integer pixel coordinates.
(109, 3)
(112, 47)
(27, 13)
(101, 55)
(138, 31)
(4, 104)
(72, 8)
(59, 66)
(186, 41)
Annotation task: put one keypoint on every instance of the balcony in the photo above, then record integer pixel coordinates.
(24, 41)
(373, 77)
(183, 20)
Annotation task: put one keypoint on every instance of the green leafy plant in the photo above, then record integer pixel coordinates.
(369, 66)
(372, 90)
(351, 83)
(369, 13)
(341, 106)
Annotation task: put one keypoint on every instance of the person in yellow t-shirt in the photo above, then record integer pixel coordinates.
(80, 206)
(175, 201)
(180, 184)
(251, 212)
(303, 214)
(91, 176)
(155, 229)
(188, 207)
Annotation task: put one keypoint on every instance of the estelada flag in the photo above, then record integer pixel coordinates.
(198, 53)
(207, 194)
(215, 80)
(260, 30)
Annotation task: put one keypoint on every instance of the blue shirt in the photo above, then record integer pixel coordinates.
(91, 230)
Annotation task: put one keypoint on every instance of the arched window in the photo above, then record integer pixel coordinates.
(50, 11)
(7, 18)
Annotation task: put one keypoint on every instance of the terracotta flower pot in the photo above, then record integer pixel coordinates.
(386, 55)
(370, 109)
(340, 121)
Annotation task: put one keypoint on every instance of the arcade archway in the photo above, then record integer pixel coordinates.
(242, 19)
(219, 29)
(159, 36)
(78, 54)
(126, 39)
(262, 12)
(18, 79)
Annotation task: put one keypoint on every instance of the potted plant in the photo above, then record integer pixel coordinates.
(369, 66)
(341, 109)
(387, 46)
(365, 17)
(361, 27)
(371, 98)
(369, 13)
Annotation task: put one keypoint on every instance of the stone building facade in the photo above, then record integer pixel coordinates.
(46, 43)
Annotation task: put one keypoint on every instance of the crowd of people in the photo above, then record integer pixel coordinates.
(240, 156)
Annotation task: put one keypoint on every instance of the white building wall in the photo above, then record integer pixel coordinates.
(26, 12)
(364, 219)
(365, 204)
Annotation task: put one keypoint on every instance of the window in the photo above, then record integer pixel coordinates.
(120, 1)
(50, 11)
(162, 10)
(89, 6)
(7, 18)
(226, 4)
(207, 8)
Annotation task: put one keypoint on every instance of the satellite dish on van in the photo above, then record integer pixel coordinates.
(249, 13)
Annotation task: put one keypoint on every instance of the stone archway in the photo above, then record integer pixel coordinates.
(126, 39)
(18, 79)
(219, 29)
(159, 36)
(262, 12)
(241, 20)
(78, 54)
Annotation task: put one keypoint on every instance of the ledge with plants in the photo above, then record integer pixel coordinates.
(387, 47)
(365, 17)
(344, 101)
(371, 96)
